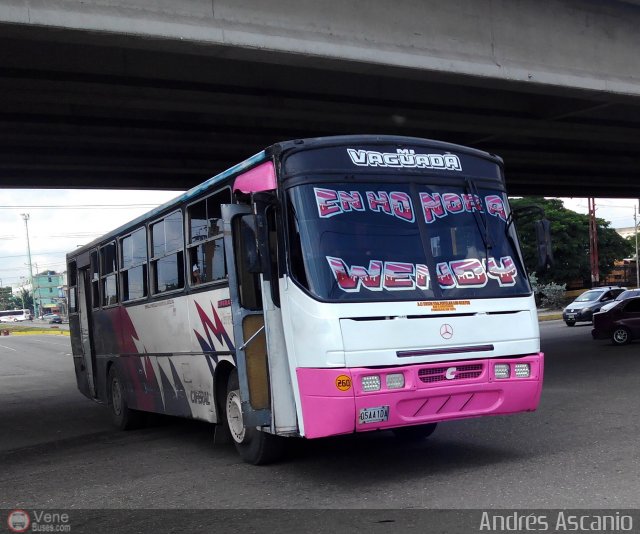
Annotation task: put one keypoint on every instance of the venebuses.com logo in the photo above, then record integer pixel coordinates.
(18, 521)
(38, 521)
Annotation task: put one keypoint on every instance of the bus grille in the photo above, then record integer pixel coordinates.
(461, 372)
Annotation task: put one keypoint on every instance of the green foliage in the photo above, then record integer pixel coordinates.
(632, 241)
(24, 300)
(570, 242)
(552, 295)
(549, 295)
(5, 298)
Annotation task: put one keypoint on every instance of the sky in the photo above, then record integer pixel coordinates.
(61, 220)
(70, 219)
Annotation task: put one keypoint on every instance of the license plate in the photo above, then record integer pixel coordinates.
(374, 415)
(570, 315)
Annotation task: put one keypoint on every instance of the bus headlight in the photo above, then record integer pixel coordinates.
(501, 370)
(523, 370)
(370, 383)
(395, 381)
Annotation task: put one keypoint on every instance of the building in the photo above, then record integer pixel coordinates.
(47, 296)
(622, 274)
(626, 232)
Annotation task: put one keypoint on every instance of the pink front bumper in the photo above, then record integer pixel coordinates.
(333, 398)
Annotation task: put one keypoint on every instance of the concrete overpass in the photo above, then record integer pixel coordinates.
(164, 93)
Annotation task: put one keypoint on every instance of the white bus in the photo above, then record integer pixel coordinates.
(7, 316)
(321, 287)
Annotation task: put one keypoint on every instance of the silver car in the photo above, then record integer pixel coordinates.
(590, 302)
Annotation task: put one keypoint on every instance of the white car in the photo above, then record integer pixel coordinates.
(622, 296)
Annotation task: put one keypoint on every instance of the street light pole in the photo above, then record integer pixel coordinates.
(25, 216)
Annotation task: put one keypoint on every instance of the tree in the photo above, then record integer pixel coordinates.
(570, 242)
(23, 300)
(632, 240)
(5, 298)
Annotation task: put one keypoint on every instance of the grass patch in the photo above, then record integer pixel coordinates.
(22, 330)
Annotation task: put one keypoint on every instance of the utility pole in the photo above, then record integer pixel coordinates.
(25, 216)
(593, 244)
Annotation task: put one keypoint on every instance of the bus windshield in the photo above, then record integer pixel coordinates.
(382, 241)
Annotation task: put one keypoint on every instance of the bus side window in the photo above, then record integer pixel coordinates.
(95, 280)
(72, 270)
(207, 262)
(109, 268)
(167, 264)
(133, 264)
(205, 241)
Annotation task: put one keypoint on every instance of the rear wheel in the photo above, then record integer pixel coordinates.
(570, 323)
(254, 446)
(414, 433)
(122, 416)
(620, 336)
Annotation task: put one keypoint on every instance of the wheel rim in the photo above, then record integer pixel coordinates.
(620, 336)
(234, 416)
(116, 397)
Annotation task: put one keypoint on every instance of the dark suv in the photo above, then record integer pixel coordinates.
(583, 308)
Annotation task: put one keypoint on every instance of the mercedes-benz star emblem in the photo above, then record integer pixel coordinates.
(446, 331)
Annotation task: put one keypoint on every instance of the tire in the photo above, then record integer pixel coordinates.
(621, 336)
(570, 323)
(414, 433)
(122, 416)
(254, 446)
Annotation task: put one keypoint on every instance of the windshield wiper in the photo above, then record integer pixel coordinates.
(480, 217)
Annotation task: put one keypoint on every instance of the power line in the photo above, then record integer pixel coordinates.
(79, 207)
(37, 254)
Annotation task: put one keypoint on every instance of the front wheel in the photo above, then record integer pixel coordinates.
(414, 433)
(122, 416)
(570, 323)
(620, 336)
(254, 446)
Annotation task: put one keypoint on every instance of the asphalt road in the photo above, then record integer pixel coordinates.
(579, 450)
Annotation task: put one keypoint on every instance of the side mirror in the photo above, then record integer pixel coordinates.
(543, 241)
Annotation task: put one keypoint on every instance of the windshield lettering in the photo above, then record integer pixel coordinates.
(495, 207)
(398, 276)
(398, 204)
(438, 205)
(469, 273)
(395, 203)
(504, 272)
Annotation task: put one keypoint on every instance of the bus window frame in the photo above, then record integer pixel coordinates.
(153, 260)
(104, 277)
(121, 270)
(97, 304)
(72, 267)
(190, 246)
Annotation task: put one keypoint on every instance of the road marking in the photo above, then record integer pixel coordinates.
(5, 347)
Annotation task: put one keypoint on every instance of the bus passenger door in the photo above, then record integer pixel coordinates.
(248, 315)
(84, 309)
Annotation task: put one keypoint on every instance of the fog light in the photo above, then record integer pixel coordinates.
(395, 381)
(523, 370)
(501, 370)
(370, 383)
